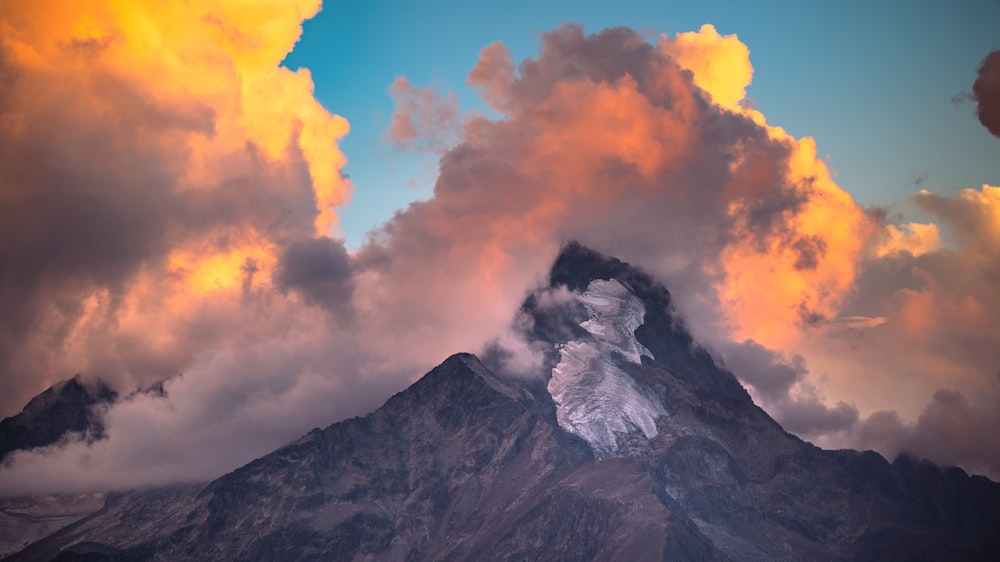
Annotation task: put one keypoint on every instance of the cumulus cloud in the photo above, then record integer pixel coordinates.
(493, 75)
(942, 302)
(163, 182)
(720, 64)
(606, 139)
(150, 153)
(986, 93)
(918, 330)
(206, 188)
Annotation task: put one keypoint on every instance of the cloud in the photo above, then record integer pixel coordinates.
(986, 92)
(932, 290)
(915, 238)
(493, 75)
(603, 138)
(950, 431)
(782, 386)
(205, 176)
(941, 296)
(147, 145)
(318, 269)
(720, 64)
(422, 118)
(164, 180)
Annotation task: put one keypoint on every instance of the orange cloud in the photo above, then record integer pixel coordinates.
(150, 147)
(915, 238)
(626, 154)
(720, 63)
(210, 61)
(204, 270)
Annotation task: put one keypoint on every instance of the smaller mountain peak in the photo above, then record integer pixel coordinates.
(462, 378)
(65, 407)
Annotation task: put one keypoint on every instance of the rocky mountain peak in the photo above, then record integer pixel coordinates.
(630, 444)
(66, 407)
(662, 331)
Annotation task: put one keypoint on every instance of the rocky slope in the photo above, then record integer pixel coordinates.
(630, 444)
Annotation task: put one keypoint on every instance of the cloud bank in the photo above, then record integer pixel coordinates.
(172, 197)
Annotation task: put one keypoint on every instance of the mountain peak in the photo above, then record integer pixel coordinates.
(662, 332)
(65, 407)
(633, 445)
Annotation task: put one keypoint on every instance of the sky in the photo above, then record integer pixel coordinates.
(288, 212)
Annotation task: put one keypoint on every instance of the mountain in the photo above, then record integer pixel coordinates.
(68, 407)
(628, 444)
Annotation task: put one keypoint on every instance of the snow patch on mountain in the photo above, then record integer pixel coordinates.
(595, 398)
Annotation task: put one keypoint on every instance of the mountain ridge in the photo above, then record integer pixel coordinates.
(470, 464)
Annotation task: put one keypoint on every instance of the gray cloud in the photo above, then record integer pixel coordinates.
(949, 431)
(318, 269)
(782, 386)
(986, 92)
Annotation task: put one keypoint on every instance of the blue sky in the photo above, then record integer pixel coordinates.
(872, 82)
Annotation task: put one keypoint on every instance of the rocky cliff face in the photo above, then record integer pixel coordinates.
(629, 444)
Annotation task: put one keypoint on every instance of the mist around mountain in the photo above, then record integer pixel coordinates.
(71, 408)
(610, 435)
